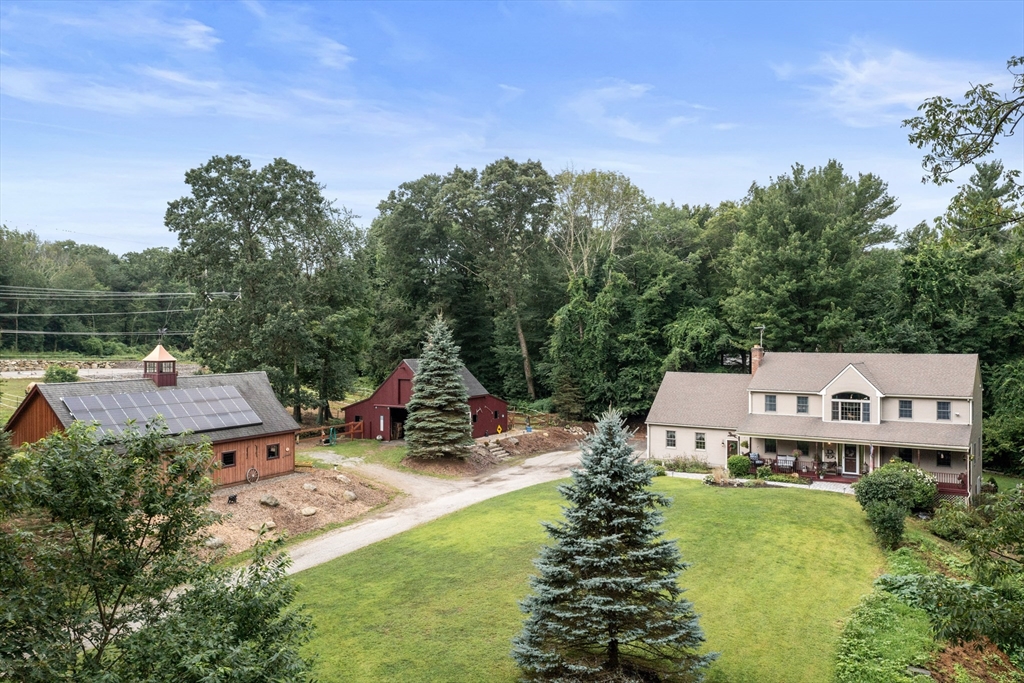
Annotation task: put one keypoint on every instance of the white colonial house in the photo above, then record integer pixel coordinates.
(831, 415)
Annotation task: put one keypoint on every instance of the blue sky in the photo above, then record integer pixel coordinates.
(103, 107)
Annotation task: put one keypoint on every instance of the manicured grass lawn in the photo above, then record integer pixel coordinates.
(1004, 481)
(775, 571)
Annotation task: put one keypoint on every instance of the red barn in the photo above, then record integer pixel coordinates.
(384, 413)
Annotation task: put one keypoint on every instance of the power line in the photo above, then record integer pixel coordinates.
(101, 334)
(64, 315)
(19, 292)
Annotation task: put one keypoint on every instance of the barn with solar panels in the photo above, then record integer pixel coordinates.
(238, 413)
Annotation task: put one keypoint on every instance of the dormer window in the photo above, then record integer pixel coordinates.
(769, 403)
(849, 406)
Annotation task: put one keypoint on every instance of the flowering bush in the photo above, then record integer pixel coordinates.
(900, 482)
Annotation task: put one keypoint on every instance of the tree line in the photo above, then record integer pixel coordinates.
(571, 291)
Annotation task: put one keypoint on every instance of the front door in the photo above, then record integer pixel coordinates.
(850, 460)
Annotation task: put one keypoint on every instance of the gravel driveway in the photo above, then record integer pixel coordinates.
(426, 499)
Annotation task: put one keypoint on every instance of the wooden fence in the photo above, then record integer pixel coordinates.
(347, 429)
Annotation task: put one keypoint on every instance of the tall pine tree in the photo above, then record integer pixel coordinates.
(606, 605)
(438, 425)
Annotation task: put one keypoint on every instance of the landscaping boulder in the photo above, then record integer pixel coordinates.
(343, 479)
(350, 495)
(269, 524)
(308, 512)
(269, 501)
(213, 542)
(309, 486)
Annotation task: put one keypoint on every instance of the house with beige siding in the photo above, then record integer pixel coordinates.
(835, 416)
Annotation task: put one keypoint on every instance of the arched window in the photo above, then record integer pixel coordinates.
(850, 406)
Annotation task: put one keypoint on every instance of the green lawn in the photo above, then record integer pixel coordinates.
(775, 572)
(13, 390)
(1004, 481)
(369, 450)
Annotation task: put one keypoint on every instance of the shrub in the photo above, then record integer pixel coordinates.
(55, 374)
(739, 466)
(887, 518)
(659, 471)
(899, 482)
(952, 522)
(687, 463)
(716, 478)
(764, 471)
(881, 638)
(788, 479)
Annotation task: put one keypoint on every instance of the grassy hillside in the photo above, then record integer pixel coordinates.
(774, 573)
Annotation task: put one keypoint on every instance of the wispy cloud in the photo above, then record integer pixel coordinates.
(603, 108)
(285, 27)
(509, 93)
(135, 22)
(867, 85)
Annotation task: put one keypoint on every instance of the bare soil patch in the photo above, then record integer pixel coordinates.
(985, 663)
(478, 462)
(544, 440)
(332, 506)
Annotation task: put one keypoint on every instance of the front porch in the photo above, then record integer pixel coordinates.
(845, 463)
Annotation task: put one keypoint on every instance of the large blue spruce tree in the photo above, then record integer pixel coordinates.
(439, 424)
(606, 605)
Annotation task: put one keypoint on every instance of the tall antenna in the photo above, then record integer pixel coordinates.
(761, 327)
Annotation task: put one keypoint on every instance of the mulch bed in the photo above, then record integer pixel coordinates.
(985, 662)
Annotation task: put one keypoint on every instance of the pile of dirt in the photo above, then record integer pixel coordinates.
(545, 440)
(478, 462)
(981, 659)
(319, 489)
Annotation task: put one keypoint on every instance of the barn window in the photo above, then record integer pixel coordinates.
(474, 418)
(273, 451)
(227, 459)
(495, 414)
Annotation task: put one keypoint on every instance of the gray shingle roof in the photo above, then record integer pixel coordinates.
(894, 374)
(253, 386)
(926, 434)
(700, 399)
(473, 386)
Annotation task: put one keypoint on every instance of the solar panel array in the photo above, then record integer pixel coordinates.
(196, 410)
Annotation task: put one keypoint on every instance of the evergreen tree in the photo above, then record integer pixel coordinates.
(438, 425)
(606, 605)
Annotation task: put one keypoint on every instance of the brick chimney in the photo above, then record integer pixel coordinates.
(756, 356)
(161, 367)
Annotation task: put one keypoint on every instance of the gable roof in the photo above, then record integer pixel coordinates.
(701, 399)
(473, 386)
(253, 386)
(894, 374)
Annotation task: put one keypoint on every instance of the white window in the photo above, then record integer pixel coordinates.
(942, 411)
(850, 406)
(802, 404)
(769, 403)
(906, 409)
(699, 441)
(670, 438)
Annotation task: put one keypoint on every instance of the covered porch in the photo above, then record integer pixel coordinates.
(848, 462)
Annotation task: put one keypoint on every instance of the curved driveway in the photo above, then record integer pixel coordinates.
(426, 499)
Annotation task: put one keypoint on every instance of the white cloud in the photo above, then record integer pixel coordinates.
(595, 107)
(286, 28)
(509, 93)
(136, 22)
(872, 86)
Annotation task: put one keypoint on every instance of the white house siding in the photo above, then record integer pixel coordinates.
(926, 410)
(715, 453)
(851, 380)
(785, 404)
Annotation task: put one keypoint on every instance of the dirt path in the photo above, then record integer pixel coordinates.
(426, 499)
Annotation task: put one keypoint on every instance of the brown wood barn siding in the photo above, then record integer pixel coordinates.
(253, 453)
(371, 409)
(36, 421)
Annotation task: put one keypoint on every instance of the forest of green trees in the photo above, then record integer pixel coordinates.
(570, 291)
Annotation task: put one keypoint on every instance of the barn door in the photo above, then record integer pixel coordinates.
(404, 391)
